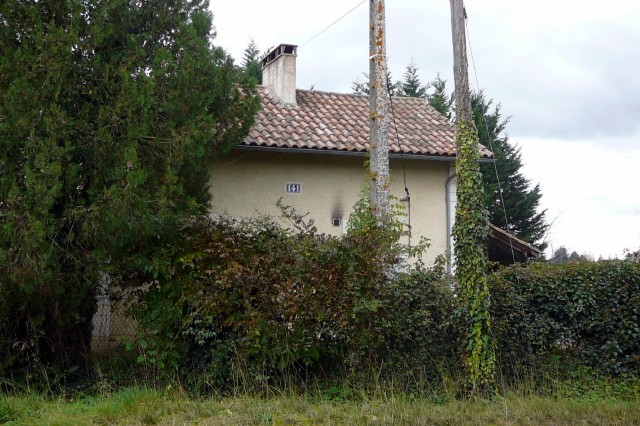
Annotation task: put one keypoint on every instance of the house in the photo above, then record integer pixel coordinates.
(309, 148)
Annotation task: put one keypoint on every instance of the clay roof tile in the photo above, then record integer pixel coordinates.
(340, 122)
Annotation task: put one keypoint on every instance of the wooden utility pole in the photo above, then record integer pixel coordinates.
(471, 224)
(378, 102)
(460, 65)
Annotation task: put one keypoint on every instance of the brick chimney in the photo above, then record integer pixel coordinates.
(279, 73)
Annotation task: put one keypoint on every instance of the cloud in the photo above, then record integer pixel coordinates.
(590, 193)
(562, 69)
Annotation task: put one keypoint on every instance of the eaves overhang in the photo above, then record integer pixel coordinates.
(312, 151)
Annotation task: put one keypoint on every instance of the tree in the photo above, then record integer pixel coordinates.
(560, 255)
(514, 197)
(521, 201)
(251, 62)
(360, 88)
(110, 113)
(439, 99)
(411, 86)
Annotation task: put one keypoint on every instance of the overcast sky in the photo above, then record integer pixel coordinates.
(566, 71)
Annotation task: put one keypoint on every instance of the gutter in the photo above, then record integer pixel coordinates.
(448, 159)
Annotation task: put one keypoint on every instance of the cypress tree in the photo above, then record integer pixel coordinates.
(521, 201)
(110, 114)
(359, 88)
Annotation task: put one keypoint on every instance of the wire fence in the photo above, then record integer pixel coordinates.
(112, 326)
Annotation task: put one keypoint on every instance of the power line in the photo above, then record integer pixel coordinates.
(333, 23)
(404, 172)
(495, 165)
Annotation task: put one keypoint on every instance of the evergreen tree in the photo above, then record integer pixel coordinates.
(439, 99)
(521, 202)
(251, 62)
(362, 88)
(110, 114)
(411, 86)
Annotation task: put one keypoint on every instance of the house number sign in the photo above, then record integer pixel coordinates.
(293, 188)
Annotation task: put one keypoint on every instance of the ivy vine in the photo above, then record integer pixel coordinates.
(470, 234)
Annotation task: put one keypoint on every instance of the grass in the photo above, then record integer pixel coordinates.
(138, 406)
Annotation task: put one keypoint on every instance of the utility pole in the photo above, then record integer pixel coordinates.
(471, 224)
(460, 65)
(378, 104)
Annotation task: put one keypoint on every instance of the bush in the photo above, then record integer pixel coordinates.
(585, 309)
(254, 296)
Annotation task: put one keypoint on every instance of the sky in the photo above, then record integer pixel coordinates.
(567, 73)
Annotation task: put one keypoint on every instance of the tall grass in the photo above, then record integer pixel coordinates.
(137, 406)
(124, 392)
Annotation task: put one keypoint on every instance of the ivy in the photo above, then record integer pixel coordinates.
(470, 233)
(588, 311)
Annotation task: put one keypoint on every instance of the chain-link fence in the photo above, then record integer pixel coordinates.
(111, 324)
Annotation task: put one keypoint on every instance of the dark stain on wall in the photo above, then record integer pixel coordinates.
(337, 212)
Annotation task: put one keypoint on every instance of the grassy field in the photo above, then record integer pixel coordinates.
(136, 406)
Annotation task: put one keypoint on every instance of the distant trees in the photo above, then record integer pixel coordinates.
(561, 255)
(439, 99)
(362, 88)
(411, 86)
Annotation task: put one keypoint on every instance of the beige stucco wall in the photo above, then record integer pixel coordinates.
(248, 183)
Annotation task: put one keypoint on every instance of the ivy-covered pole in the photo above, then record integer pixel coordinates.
(378, 106)
(471, 224)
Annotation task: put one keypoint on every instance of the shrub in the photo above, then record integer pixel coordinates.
(586, 309)
(254, 294)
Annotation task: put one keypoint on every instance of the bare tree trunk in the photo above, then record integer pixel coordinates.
(378, 101)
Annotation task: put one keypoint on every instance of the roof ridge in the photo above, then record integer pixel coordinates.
(358, 95)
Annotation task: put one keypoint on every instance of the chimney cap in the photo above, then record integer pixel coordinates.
(283, 49)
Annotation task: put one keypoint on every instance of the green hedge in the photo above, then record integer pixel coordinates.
(234, 297)
(589, 310)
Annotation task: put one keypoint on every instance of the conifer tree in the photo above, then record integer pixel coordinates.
(521, 201)
(360, 88)
(439, 98)
(411, 86)
(251, 62)
(110, 114)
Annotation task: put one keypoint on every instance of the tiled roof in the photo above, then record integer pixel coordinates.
(339, 122)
